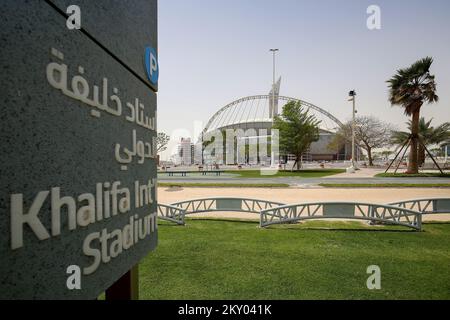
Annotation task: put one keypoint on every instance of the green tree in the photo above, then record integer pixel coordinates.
(427, 133)
(410, 88)
(161, 141)
(298, 129)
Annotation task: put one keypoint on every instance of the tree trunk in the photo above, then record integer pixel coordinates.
(413, 163)
(299, 163)
(369, 155)
(421, 155)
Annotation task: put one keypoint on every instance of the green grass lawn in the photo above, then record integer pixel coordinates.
(223, 185)
(301, 174)
(213, 259)
(420, 175)
(384, 185)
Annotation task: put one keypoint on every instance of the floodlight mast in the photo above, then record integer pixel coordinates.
(352, 95)
(272, 111)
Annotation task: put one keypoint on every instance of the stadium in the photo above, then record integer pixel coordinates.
(257, 112)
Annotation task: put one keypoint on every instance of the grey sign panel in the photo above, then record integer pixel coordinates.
(78, 163)
(442, 205)
(339, 210)
(125, 27)
(229, 204)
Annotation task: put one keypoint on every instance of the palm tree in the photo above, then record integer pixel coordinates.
(428, 134)
(410, 88)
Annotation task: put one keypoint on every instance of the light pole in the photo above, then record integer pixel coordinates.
(446, 153)
(272, 111)
(352, 95)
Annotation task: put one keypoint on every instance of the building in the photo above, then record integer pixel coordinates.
(185, 152)
(256, 113)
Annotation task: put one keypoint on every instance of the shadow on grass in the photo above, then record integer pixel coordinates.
(236, 220)
(162, 223)
(436, 223)
(340, 227)
(344, 229)
(168, 224)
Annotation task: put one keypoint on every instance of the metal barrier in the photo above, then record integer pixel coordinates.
(404, 213)
(426, 206)
(171, 213)
(225, 204)
(342, 210)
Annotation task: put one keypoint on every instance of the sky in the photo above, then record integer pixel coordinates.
(212, 52)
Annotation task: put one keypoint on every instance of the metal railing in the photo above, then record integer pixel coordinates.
(426, 206)
(342, 210)
(225, 204)
(404, 213)
(171, 213)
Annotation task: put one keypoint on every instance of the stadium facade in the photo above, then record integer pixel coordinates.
(256, 113)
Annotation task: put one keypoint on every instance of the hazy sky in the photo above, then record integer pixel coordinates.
(212, 52)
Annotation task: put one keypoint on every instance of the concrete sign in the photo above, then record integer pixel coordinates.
(77, 146)
(126, 28)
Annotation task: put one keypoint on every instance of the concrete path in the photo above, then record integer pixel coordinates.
(306, 182)
(365, 175)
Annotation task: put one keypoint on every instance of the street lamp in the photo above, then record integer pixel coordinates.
(272, 112)
(352, 95)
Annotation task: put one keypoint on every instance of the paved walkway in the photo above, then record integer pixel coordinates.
(364, 176)
(302, 182)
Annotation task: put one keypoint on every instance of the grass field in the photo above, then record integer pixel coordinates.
(301, 174)
(213, 259)
(222, 185)
(420, 175)
(384, 185)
